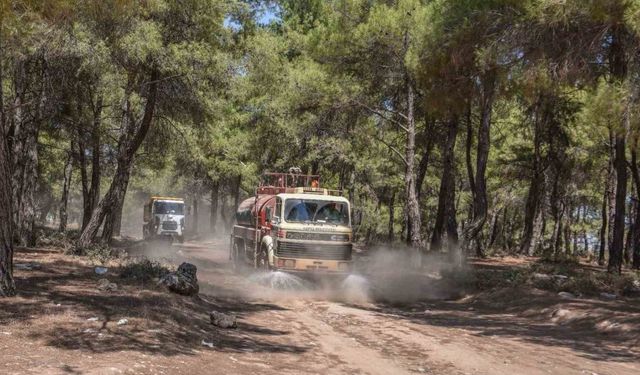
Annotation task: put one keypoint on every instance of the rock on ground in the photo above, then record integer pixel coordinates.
(223, 320)
(567, 295)
(183, 281)
(106, 286)
(609, 296)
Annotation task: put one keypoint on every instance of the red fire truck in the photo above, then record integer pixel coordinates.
(295, 225)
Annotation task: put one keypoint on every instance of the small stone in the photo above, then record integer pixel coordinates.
(223, 320)
(100, 270)
(567, 295)
(541, 277)
(560, 279)
(106, 286)
(26, 266)
(122, 322)
(206, 343)
(609, 296)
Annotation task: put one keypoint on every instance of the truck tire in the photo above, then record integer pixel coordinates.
(237, 255)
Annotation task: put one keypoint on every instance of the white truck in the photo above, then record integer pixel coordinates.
(164, 217)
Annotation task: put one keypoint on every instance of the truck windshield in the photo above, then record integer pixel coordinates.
(175, 208)
(316, 211)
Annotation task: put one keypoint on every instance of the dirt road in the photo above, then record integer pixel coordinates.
(60, 324)
(322, 331)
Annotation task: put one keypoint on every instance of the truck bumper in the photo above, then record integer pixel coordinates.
(313, 266)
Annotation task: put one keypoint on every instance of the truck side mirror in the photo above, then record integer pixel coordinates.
(356, 217)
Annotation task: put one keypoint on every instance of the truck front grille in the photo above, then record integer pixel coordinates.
(169, 225)
(311, 236)
(313, 251)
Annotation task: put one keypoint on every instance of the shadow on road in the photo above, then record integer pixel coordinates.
(57, 299)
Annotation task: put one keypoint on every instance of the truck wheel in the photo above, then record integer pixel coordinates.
(180, 239)
(237, 256)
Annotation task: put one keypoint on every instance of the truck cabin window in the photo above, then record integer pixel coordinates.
(316, 211)
(174, 208)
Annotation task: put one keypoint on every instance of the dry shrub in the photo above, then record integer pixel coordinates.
(144, 270)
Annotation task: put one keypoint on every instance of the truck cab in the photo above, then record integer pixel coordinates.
(311, 232)
(164, 217)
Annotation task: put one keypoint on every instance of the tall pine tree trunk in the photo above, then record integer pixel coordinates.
(25, 159)
(635, 239)
(618, 69)
(425, 158)
(528, 244)
(604, 225)
(7, 286)
(480, 205)
(390, 230)
(446, 213)
(213, 214)
(196, 216)
(414, 221)
(113, 220)
(615, 253)
(66, 183)
(90, 188)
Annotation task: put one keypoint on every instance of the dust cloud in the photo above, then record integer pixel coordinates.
(392, 275)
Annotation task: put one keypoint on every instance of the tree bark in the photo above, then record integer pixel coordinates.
(25, 160)
(635, 240)
(113, 220)
(390, 231)
(236, 193)
(196, 217)
(7, 285)
(66, 183)
(615, 253)
(213, 214)
(90, 189)
(493, 228)
(414, 221)
(528, 245)
(424, 160)
(627, 255)
(469, 160)
(618, 70)
(129, 143)
(94, 191)
(479, 186)
(446, 214)
(604, 225)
